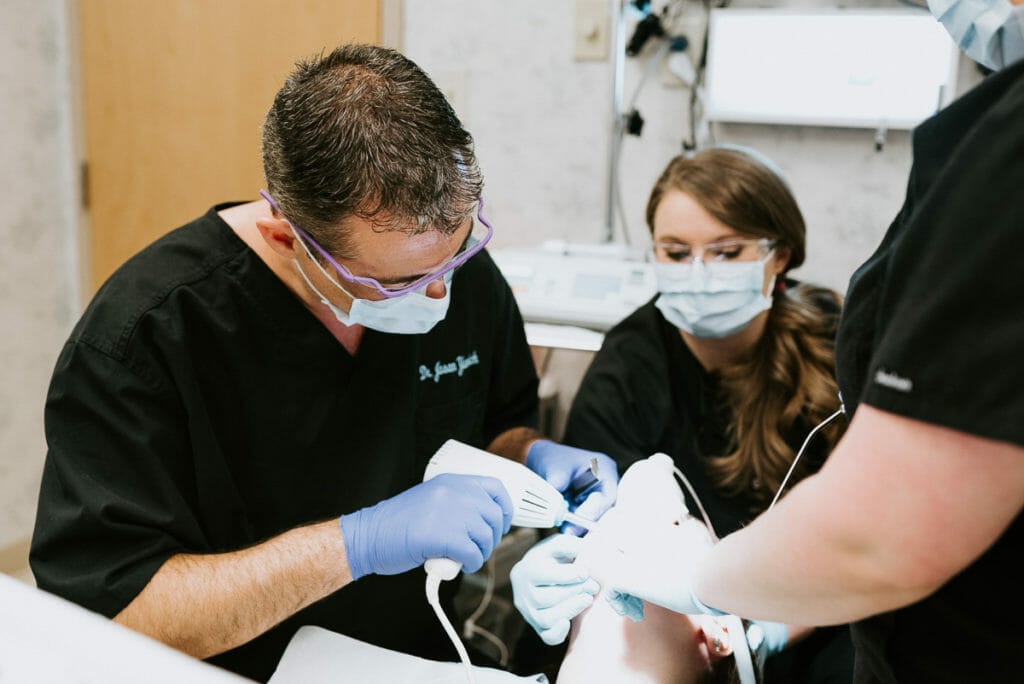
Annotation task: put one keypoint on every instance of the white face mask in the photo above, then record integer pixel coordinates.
(991, 32)
(413, 313)
(712, 300)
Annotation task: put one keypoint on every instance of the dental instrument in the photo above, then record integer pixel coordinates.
(536, 504)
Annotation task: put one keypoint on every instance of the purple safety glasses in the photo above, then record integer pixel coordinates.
(471, 249)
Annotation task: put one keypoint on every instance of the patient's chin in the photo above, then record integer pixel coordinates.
(663, 648)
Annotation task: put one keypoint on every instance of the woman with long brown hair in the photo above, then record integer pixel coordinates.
(726, 371)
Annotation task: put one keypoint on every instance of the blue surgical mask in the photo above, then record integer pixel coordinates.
(712, 300)
(991, 32)
(413, 313)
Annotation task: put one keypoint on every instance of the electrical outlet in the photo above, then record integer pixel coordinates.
(592, 30)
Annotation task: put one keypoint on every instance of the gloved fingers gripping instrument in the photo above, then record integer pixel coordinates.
(536, 503)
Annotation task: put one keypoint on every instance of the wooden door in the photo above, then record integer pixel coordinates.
(173, 96)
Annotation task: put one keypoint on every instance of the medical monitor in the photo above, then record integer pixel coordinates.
(850, 68)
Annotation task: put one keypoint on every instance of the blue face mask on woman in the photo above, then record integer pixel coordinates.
(991, 32)
(712, 300)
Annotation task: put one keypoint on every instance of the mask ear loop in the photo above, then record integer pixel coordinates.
(841, 410)
(314, 288)
(319, 266)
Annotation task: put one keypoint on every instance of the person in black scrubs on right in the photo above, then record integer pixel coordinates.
(913, 528)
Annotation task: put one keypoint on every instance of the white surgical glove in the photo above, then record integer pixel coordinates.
(658, 564)
(550, 589)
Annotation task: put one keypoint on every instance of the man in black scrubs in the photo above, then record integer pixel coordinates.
(255, 373)
(913, 528)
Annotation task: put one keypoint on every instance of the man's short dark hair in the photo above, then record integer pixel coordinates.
(364, 132)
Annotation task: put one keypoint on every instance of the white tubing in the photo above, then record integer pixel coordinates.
(434, 599)
(740, 649)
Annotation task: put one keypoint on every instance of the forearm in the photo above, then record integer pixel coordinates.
(900, 508)
(514, 443)
(207, 604)
(812, 568)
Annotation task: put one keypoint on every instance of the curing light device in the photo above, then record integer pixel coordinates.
(536, 503)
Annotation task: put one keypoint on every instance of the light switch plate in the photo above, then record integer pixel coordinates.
(592, 30)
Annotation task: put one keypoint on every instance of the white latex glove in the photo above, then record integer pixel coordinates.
(550, 589)
(658, 564)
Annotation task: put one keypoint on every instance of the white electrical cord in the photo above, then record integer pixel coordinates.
(469, 627)
(434, 599)
(792, 466)
(620, 135)
(744, 660)
(700, 506)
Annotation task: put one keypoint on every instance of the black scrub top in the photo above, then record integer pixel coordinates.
(199, 407)
(644, 393)
(933, 329)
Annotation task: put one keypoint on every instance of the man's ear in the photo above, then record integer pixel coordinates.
(277, 233)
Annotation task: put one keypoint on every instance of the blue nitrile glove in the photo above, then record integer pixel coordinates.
(560, 465)
(549, 589)
(626, 605)
(461, 517)
(766, 639)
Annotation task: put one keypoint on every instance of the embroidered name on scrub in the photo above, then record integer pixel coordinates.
(440, 369)
(894, 381)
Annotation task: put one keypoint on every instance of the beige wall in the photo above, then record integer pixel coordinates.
(542, 120)
(38, 259)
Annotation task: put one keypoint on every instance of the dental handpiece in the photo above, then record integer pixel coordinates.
(579, 521)
(446, 569)
(535, 502)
